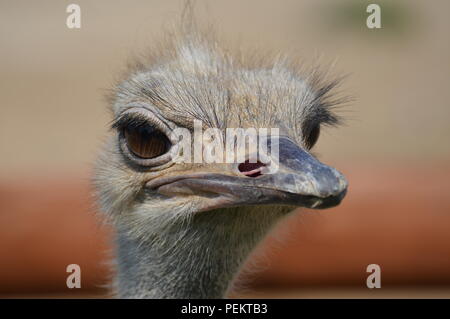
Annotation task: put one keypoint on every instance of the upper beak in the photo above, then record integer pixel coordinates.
(305, 180)
(300, 180)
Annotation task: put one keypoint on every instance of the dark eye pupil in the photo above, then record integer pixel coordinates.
(146, 142)
(313, 136)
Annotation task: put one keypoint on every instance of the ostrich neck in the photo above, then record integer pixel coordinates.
(196, 259)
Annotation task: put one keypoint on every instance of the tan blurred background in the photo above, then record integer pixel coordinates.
(394, 147)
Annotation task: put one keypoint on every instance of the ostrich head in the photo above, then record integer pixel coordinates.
(184, 229)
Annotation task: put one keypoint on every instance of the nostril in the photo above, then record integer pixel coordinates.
(251, 169)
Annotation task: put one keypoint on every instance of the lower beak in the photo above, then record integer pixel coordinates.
(300, 180)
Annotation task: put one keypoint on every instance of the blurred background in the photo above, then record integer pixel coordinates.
(394, 148)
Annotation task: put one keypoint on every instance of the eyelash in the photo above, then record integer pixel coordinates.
(135, 121)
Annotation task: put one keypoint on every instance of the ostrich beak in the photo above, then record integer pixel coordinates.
(300, 180)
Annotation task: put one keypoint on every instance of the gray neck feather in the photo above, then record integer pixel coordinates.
(198, 258)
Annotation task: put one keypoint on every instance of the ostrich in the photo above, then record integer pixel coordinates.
(183, 230)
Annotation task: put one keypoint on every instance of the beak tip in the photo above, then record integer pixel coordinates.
(342, 185)
(330, 185)
(331, 201)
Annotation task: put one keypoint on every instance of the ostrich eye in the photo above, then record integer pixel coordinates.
(145, 141)
(312, 137)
